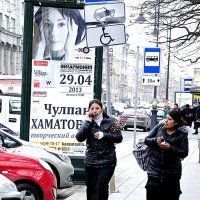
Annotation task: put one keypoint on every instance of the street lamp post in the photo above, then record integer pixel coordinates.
(141, 19)
(169, 53)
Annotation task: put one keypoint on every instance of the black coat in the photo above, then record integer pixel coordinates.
(99, 152)
(166, 164)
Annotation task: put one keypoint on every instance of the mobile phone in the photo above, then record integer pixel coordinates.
(91, 115)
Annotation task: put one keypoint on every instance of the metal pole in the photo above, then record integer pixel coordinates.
(107, 66)
(26, 71)
(169, 52)
(154, 109)
(106, 57)
(98, 72)
(180, 93)
(136, 95)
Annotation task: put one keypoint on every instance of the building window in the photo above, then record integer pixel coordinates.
(7, 22)
(12, 25)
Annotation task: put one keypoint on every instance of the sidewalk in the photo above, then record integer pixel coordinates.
(130, 180)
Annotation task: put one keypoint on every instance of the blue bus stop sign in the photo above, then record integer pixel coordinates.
(188, 82)
(152, 60)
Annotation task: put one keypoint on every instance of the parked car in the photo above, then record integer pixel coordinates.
(8, 130)
(143, 119)
(10, 110)
(34, 178)
(58, 161)
(115, 112)
(8, 189)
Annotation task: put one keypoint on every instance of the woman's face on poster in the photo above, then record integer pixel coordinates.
(55, 29)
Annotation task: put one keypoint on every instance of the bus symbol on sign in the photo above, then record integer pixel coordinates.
(152, 58)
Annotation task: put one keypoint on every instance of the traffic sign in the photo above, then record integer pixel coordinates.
(104, 12)
(152, 60)
(151, 80)
(105, 35)
(187, 84)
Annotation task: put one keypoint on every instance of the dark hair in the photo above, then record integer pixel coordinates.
(176, 116)
(97, 101)
(73, 14)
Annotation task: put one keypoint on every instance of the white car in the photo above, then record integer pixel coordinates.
(59, 161)
(8, 189)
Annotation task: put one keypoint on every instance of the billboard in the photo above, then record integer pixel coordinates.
(183, 98)
(62, 78)
(196, 81)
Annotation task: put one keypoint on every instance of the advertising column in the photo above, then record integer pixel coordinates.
(62, 78)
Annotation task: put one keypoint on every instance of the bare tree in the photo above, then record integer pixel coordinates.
(184, 24)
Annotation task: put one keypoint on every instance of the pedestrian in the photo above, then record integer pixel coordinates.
(169, 145)
(187, 115)
(100, 159)
(176, 107)
(57, 31)
(166, 110)
(197, 119)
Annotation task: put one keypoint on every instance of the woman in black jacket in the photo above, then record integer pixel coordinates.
(100, 159)
(169, 145)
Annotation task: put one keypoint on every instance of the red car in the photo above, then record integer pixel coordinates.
(33, 177)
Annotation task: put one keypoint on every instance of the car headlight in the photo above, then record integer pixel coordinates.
(45, 165)
(59, 155)
(63, 157)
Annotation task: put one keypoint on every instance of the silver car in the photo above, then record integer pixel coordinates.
(59, 161)
(143, 119)
(8, 189)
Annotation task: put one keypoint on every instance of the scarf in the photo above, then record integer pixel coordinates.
(99, 119)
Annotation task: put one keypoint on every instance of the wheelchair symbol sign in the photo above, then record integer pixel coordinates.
(105, 35)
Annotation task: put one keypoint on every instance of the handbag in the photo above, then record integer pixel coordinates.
(141, 153)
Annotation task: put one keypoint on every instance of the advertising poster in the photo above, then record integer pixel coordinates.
(62, 78)
(196, 81)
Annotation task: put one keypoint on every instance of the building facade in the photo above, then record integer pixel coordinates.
(11, 36)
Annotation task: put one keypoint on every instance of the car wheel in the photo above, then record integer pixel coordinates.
(98, 18)
(29, 191)
(145, 129)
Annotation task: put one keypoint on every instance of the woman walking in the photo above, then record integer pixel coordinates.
(169, 145)
(100, 159)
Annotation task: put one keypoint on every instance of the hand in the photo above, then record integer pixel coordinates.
(71, 38)
(159, 140)
(90, 116)
(39, 43)
(98, 135)
(164, 145)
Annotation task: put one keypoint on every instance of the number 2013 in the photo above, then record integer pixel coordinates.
(75, 89)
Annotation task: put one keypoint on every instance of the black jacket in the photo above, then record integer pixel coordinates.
(99, 152)
(166, 164)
